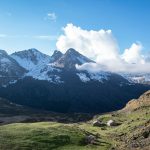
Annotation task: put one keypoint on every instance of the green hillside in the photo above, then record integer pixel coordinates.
(131, 131)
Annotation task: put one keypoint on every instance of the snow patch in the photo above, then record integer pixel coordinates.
(83, 77)
(100, 76)
(142, 78)
(23, 62)
(5, 60)
(86, 77)
(31, 58)
(45, 72)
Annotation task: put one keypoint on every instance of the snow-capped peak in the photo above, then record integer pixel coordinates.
(72, 51)
(56, 55)
(3, 52)
(31, 58)
(70, 59)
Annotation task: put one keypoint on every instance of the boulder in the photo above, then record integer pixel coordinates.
(90, 139)
(112, 123)
(98, 123)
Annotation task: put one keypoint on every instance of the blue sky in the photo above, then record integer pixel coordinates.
(25, 23)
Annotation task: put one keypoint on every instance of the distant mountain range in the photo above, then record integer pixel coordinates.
(141, 78)
(54, 83)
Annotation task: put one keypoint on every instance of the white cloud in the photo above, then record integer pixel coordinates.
(119, 67)
(103, 48)
(133, 54)
(46, 37)
(92, 67)
(13, 36)
(94, 44)
(51, 16)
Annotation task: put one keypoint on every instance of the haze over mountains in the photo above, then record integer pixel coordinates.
(55, 83)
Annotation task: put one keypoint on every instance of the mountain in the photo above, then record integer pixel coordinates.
(141, 78)
(31, 58)
(44, 67)
(37, 64)
(70, 59)
(73, 95)
(10, 70)
(56, 55)
(54, 83)
(60, 63)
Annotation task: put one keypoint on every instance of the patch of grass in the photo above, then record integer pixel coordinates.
(45, 136)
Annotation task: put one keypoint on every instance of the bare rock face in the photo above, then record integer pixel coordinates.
(142, 101)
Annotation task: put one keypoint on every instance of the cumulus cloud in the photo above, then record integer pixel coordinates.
(103, 47)
(120, 67)
(94, 44)
(133, 54)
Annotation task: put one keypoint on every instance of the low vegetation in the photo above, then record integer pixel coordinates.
(131, 131)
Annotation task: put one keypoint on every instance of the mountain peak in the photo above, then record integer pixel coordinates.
(26, 52)
(71, 58)
(56, 55)
(33, 50)
(3, 52)
(56, 52)
(30, 58)
(71, 50)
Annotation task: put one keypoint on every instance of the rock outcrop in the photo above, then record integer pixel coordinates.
(142, 101)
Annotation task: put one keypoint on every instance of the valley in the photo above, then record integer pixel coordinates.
(131, 130)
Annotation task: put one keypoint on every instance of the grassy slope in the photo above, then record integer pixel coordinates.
(45, 136)
(131, 124)
(59, 136)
